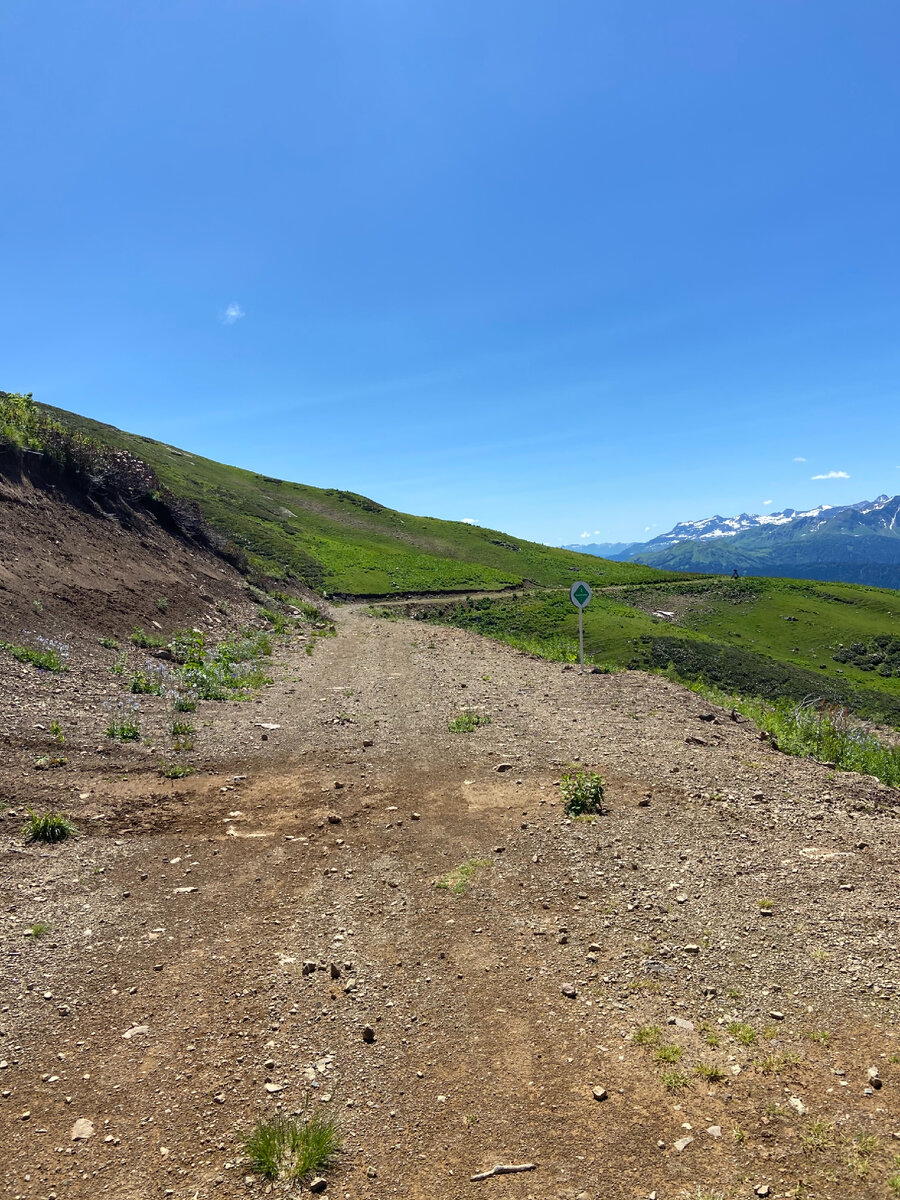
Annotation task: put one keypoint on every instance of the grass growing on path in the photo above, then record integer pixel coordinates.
(290, 1150)
(458, 880)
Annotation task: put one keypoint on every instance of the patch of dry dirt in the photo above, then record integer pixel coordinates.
(313, 832)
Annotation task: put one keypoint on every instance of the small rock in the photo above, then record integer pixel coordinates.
(372, 1173)
(600, 1093)
(334, 819)
(873, 1077)
(82, 1130)
(501, 767)
(715, 1131)
(776, 1015)
(414, 817)
(691, 948)
(272, 1088)
(682, 1023)
(798, 1106)
(309, 967)
(319, 1184)
(134, 1030)
(368, 1034)
(682, 1144)
(569, 990)
(763, 1190)
(334, 971)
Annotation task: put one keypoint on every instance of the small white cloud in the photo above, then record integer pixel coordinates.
(800, 459)
(232, 313)
(767, 501)
(469, 521)
(647, 528)
(586, 533)
(596, 533)
(832, 475)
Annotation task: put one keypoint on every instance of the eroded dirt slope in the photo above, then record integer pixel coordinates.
(734, 910)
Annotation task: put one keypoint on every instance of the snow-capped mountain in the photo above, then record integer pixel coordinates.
(853, 543)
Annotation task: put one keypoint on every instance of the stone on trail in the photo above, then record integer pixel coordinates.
(682, 1144)
(82, 1130)
(569, 990)
(600, 1093)
(368, 1034)
(319, 1184)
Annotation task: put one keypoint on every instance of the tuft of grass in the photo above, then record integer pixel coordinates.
(457, 880)
(468, 721)
(175, 770)
(182, 728)
(675, 1081)
(147, 641)
(668, 1054)
(147, 683)
(818, 1135)
(710, 1072)
(766, 904)
(48, 827)
(745, 1034)
(56, 730)
(38, 930)
(162, 604)
(184, 704)
(281, 1148)
(648, 1035)
(822, 1036)
(582, 793)
(109, 643)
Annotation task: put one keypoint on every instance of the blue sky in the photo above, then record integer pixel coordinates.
(557, 268)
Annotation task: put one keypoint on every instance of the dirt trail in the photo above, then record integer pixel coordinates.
(185, 915)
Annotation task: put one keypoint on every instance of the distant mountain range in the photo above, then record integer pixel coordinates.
(850, 543)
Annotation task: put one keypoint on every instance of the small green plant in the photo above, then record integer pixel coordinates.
(668, 1054)
(147, 641)
(894, 1184)
(818, 1135)
(182, 744)
(648, 1035)
(822, 1036)
(162, 604)
(146, 683)
(675, 1081)
(48, 762)
(766, 905)
(123, 731)
(38, 930)
(118, 667)
(47, 656)
(582, 793)
(745, 1034)
(182, 728)
(56, 731)
(48, 827)
(457, 880)
(37, 606)
(184, 704)
(710, 1072)
(468, 721)
(738, 1134)
(175, 770)
(281, 1148)
(109, 643)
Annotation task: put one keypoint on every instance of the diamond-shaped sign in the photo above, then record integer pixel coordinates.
(580, 594)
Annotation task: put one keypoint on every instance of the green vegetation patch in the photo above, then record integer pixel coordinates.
(48, 827)
(582, 793)
(46, 656)
(468, 721)
(283, 1148)
(458, 880)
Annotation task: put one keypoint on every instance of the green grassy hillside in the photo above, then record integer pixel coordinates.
(765, 637)
(345, 544)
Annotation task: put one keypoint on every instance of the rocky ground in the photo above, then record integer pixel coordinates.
(694, 994)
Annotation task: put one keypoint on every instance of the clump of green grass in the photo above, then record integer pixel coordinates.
(710, 1072)
(457, 880)
(231, 671)
(468, 721)
(182, 728)
(675, 1081)
(281, 1148)
(822, 1036)
(109, 643)
(48, 827)
(668, 1054)
(648, 1035)
(56, 731)
(184, 704)
(147, 641)
(38, 930)
(818, 1135)
(745, 1034)
(123, 730)
(766, 905)
(162, 604)
(176, 770)
(46, 657)
(147, 683)
(582, 793)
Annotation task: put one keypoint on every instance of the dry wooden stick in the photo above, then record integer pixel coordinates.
(503, 1169)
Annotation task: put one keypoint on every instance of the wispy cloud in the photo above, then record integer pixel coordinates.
(800, 458)
(587, 533)
(469, 521)
(767, 502)
(232, 313)
(832, 475)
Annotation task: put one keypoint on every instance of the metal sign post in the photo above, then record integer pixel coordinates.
(580, 594)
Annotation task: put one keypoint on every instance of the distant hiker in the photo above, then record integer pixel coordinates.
(734, 574)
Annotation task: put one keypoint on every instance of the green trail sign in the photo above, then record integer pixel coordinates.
(580, 594)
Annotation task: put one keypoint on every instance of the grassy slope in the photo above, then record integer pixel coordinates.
(342, 543)
(738, 628)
